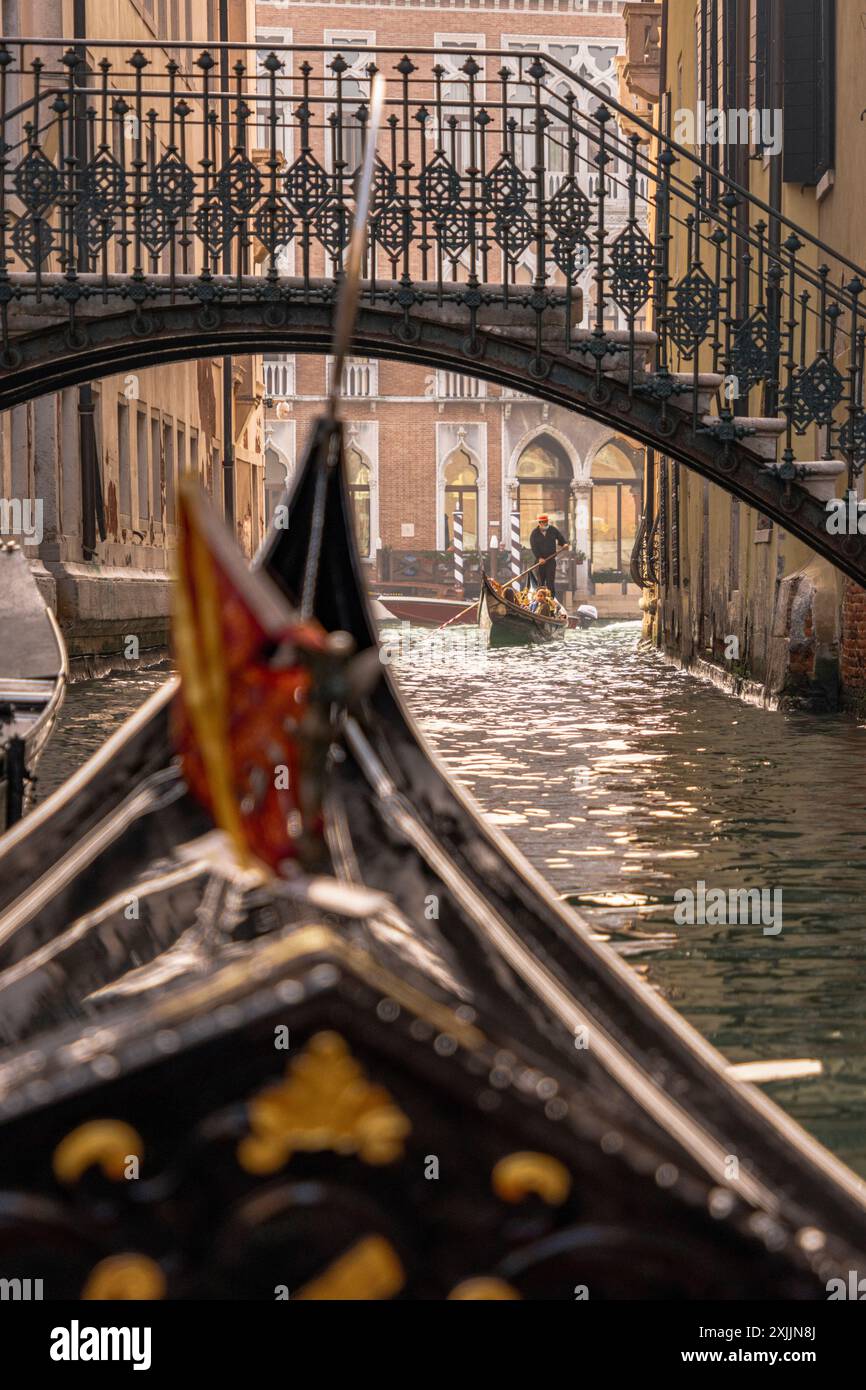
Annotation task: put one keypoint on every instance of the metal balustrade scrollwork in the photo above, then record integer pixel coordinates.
(504, 181)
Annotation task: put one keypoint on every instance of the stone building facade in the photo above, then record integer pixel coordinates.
(728, 572)
(104, 554)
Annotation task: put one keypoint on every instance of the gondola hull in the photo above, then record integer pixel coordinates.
(510, 626)
(587, 1129)
(33, 673)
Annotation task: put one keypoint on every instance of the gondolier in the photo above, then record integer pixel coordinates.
(544, 543)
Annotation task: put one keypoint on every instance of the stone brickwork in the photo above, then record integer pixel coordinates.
(854, 648)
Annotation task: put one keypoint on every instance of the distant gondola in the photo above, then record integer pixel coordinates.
(33, 670)
(509, 625)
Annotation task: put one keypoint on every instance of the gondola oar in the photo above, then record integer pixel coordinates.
(344, 324)
(542, 561)
(449, 621)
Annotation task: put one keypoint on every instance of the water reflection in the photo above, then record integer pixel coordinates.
(624, 780)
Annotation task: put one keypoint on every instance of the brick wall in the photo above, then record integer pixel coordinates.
(407, 443)
(854, 646)
(414, 26)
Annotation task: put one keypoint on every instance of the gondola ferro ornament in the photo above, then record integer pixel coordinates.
(259, 685)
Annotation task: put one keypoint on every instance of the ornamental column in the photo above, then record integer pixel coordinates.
(581, 495)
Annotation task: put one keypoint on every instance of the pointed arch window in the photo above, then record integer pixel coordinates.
(461, 495)
(359, 475)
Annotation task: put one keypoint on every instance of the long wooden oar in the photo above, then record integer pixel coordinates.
(543, 561)
(469, 606)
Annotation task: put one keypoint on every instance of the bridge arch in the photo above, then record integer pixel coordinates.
(46, 363)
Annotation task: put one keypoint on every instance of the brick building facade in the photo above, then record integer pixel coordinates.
(103, 461)
(423, 443)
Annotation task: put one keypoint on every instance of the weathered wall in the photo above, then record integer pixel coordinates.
(743, 578)
(173, 415)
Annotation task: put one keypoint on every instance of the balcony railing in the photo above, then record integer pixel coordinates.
(453, 386)
(360, 376)
(279, 374)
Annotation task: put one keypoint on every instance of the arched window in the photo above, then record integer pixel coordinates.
(545, 476)
(275, 482)
(617, 478)
(461, 495)
(358, 470)
(557, 138)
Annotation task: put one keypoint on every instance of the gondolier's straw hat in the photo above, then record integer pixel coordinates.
(542, 519)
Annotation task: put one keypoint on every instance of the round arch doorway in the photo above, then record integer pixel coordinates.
(617, 493)
(544, 477)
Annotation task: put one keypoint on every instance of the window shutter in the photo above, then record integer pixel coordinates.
(809, 82)
(762, 55)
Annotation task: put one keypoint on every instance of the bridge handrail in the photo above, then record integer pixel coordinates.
(632, 117)
(515, 170)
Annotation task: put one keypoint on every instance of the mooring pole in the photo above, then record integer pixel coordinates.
(515, 544)
(457, 532)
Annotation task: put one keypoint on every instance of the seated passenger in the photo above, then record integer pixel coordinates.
(543, 603)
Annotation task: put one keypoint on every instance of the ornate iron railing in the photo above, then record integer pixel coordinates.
(503, 178)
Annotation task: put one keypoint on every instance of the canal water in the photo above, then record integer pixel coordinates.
(626, 781)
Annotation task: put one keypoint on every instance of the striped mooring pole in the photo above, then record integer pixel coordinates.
(515, 543)
(457, 533)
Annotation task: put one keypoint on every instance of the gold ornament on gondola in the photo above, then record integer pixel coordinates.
(521, 1175)
(483, 1289)
(106, 1143)
(125, 1276)
(371, 1269)
(325, 1102)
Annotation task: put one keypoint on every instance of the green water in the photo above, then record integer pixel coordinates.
(624, 781)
